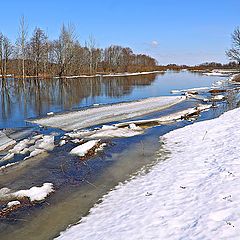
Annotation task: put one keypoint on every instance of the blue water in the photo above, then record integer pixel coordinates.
(34, 98)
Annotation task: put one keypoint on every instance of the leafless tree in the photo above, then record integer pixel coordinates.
(38, 48)
(22, 43)
(63, 49)
(5, 53)
(234, 52)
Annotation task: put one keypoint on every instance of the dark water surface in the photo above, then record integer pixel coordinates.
(32, 98)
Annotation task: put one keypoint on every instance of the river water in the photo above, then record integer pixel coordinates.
(80, 185)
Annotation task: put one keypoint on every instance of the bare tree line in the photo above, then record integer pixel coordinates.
(37, 55)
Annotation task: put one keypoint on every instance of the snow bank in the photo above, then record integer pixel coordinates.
(108, 113)
(84, 148)
(112, 75)
(194, 194)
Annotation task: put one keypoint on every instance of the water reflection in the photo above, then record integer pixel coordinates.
(34, 97)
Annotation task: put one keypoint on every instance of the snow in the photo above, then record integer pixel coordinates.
(168, 118)
(50, 113)
(133, 126)
(46, 143)
(35, 152)
(115, 133)
(7, 157)
(216, 74)
(108, 113)
(62, 142)
(218, 98)
(20, 146)
(193, 194)
(13, 203)
(199, 89)
(34, 193)
(111, 75)
(84, 148)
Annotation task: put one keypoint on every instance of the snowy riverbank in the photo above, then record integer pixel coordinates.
(194, 194)
(124, 74)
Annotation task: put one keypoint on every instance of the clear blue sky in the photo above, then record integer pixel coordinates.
(172, 31)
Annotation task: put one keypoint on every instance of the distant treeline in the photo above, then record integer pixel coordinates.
(204, 66)
(37, 55)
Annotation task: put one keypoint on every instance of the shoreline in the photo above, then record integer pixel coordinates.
(192, 193)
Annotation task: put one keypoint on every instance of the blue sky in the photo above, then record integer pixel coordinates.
(172, 31)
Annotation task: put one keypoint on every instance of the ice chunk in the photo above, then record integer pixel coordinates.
(84, 148)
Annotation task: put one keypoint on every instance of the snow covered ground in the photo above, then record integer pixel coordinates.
(116, 112)
(193, 194)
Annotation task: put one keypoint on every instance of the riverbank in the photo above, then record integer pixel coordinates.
(193, 194)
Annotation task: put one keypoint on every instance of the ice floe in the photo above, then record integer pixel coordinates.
(5, 141)
(34, 193)
(108, 113)
(84, 148)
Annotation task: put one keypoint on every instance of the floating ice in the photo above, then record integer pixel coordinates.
(84, 148)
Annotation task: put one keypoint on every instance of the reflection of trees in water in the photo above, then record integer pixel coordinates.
(38, 95)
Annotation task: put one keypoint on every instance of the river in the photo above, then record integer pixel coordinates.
(79, 185)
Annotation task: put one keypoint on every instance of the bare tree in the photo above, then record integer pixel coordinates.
(234, 52)
(63, 49)
(5, 52)
(91, 45)
(22, 43)
(38, 47)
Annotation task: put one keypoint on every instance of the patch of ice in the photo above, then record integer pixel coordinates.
(62, 142)
(20, 146)
(7, 157)
(35, 152)
(114, 133)
(46, 143)
(216, 74)
(133, 126)
(200, 89)
(5, 141)
(50, 113)
(84, 148)
(218, 98)
(108, 113)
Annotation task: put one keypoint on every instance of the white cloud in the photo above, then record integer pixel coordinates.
(154, 43)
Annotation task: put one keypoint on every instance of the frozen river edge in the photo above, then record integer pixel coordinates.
(193, 194)
(108, 113)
